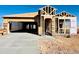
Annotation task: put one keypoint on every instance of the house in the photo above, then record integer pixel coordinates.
(44, 21)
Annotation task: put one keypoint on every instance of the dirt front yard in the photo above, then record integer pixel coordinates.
(60, 45)
(19, 43)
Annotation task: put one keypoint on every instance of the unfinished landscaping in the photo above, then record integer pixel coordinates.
(41, 32)
(60, 45)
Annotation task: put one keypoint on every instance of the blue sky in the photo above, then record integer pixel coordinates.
(16, 9)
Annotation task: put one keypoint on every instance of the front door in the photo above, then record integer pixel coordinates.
(48, 26)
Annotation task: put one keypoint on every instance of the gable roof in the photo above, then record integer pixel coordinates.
(65, 14)
(33, 14)
(47, 10)
(47, 6)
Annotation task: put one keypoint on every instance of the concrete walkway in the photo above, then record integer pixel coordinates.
(17, 43)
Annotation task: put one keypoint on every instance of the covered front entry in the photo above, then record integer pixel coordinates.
(48, 26)
(30, 27)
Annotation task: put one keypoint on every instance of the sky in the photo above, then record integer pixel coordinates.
(18, 9)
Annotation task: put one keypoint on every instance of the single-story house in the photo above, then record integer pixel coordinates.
(43, 22)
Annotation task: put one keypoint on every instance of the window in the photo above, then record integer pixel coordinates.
(34, 26)
(67, 23)
(31, 26)
(61, 23)
(27, 26)
(47, 9)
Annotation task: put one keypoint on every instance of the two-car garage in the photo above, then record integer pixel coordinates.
(26, 22)
(20, 27)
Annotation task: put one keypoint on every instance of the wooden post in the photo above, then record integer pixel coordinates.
(58, 25)
(8, 31)
(43, 26)
(40, 30)
(64, 27)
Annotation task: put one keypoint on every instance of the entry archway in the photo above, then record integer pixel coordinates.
(48, 26)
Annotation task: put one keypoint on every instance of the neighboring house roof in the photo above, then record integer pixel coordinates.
(33, 14)
(65, 14)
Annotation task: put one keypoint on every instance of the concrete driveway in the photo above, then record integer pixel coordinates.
(19, 43)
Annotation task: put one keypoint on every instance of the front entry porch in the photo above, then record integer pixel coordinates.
(48, 26)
